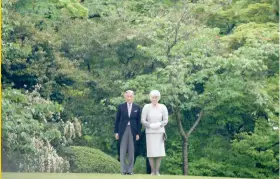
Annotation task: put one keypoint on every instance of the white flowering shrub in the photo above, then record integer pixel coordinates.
(30, 127)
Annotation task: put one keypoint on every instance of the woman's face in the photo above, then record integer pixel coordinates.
(154, 99)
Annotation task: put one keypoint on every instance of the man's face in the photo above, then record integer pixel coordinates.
(129, 97)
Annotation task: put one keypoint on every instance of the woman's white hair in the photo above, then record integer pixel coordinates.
(155, 93)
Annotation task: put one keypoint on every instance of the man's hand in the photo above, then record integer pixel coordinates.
(117, 136)
(137, 137)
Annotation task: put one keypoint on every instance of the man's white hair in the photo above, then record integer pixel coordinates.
(130, 92)
(155, 93)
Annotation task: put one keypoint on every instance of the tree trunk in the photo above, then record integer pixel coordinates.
(185, 142)
(185, 157)
(185, 137)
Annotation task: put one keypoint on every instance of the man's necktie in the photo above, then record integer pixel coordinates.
(129, 109)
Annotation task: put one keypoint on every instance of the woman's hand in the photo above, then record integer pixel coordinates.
(155, 125)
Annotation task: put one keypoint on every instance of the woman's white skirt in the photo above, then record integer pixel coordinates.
(155, 145)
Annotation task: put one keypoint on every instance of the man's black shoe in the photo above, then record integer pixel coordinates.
(129, 173)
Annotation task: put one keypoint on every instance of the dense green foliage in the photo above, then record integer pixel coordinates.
(215, 63)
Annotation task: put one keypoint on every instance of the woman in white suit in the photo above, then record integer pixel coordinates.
(154, 117)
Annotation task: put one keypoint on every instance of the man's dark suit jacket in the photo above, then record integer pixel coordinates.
(122, 120)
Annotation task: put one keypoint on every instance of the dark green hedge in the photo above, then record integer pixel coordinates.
(90, 160)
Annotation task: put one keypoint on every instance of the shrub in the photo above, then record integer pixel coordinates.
(140, 165)
(90, 160)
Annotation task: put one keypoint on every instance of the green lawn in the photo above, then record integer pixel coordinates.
(94, 176)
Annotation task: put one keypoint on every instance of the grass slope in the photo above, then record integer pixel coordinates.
(95, 176)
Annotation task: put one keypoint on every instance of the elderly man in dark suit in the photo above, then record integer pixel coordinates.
(127, 131)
